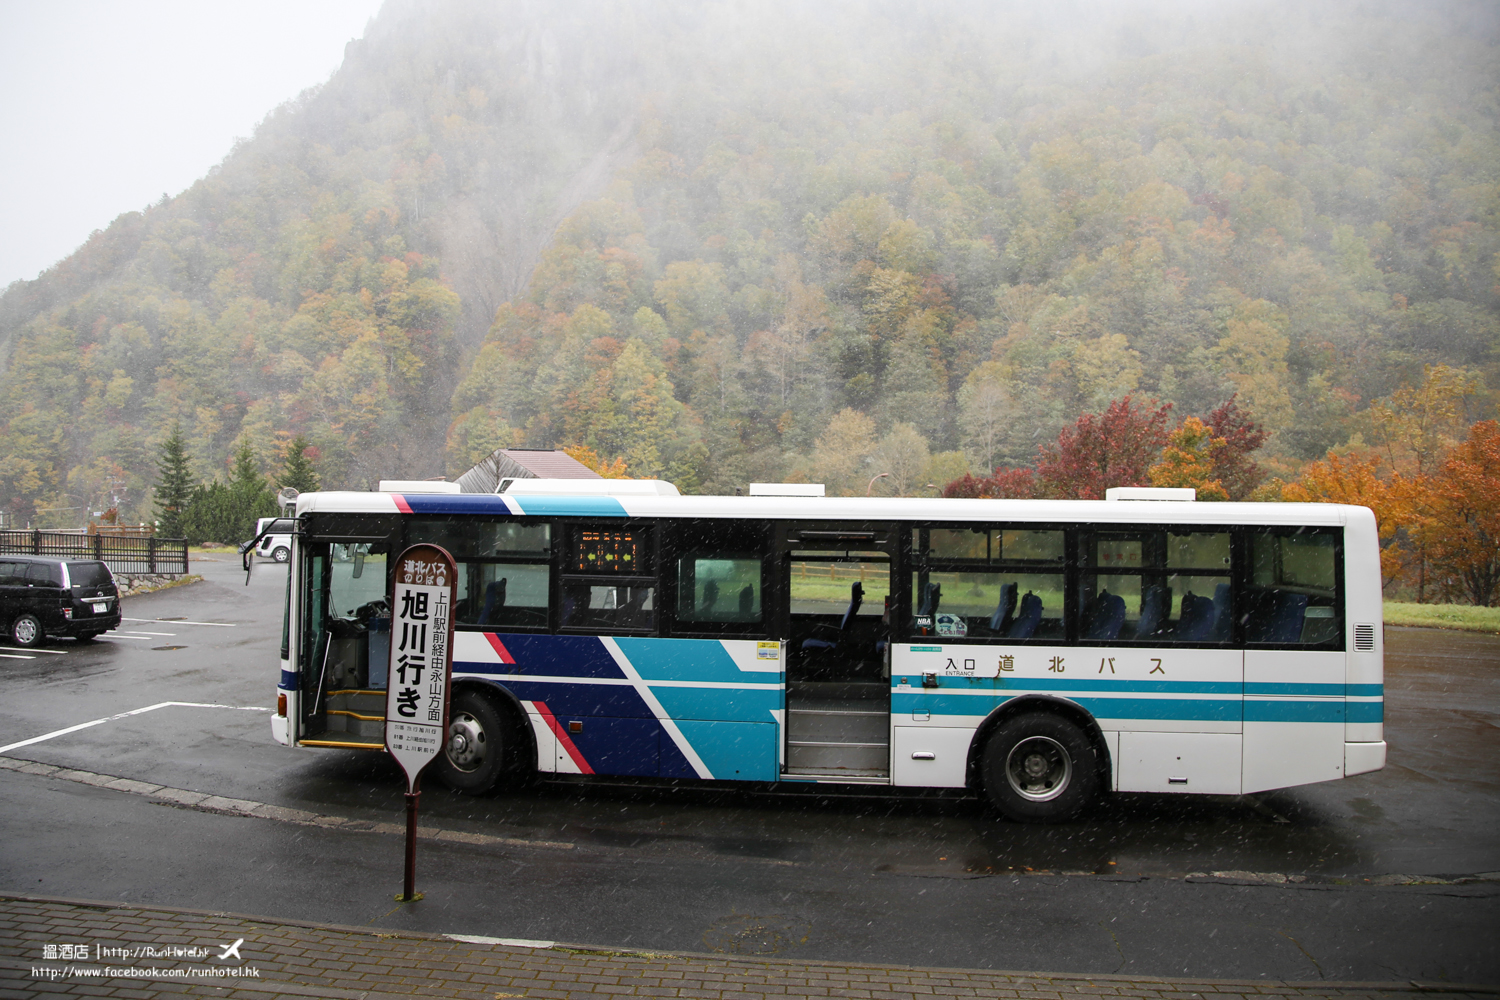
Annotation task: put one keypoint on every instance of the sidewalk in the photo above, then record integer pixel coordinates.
(137, 951)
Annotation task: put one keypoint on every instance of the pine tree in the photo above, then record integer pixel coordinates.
(249, 492)
(298, 472)
(174, 488)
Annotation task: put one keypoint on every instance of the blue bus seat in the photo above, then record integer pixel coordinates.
(1005, 610)
(1156, 604)
(1024, 627)
(1106, 617)
(494, 600)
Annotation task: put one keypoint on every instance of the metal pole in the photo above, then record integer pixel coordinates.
(409, 893)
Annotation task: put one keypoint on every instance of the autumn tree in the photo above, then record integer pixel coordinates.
(607, 469)
(1188, 460)
(1005, 484)
(1231, 463)
(1355, 481)
(1458, 517)
(1114, 448)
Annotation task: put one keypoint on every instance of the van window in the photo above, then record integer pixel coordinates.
(89, 574)
(44, 575)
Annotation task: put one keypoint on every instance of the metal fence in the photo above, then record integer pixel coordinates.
(123, 554)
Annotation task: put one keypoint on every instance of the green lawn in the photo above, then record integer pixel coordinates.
(1459, 616)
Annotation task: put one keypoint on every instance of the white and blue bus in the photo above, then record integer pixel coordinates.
(1041, 652)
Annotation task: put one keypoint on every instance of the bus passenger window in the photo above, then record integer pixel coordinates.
(1155, 587)
(1293, 597)
(611, 607)
(503, 595)
(719, 587)
(988, 582)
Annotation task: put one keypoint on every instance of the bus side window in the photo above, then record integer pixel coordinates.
(719, 587)
(1293, 596)
(1155, 586)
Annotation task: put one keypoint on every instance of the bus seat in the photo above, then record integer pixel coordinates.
(747, 602)
(710, 597)
(1279, 619)
(932, 594)
(1156, 604)
(1197, 618)
(1219, 630)
(826, 636)
(1106, 617)
(494, 600)
(1005, 610)
(1024, 627)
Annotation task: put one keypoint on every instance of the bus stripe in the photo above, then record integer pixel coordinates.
(649, 697)
(499, 648)
(563, 737)
(401, 503)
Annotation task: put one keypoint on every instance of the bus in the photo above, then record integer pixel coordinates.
(1039, 652)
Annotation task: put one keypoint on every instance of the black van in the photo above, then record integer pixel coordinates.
(43, 596)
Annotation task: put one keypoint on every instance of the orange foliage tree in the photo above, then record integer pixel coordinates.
(1457, 518)
(585, 455)
(1188, 460)
(1354, 481)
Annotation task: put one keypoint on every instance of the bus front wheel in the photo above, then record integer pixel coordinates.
(1039, 768)
(473, 759)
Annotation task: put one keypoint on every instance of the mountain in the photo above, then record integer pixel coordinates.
(744, 241)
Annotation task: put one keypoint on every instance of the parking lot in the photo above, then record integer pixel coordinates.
(1384, 876)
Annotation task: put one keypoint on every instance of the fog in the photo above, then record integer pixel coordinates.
(109, 105)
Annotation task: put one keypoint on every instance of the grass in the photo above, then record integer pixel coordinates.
(1456, 616)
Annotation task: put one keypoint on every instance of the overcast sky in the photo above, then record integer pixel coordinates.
(109, 105)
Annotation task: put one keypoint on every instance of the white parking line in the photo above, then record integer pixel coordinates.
(137, 631)
(179, 621)
(52, 652)
(121, 635)
(17, 656)
(125, 715)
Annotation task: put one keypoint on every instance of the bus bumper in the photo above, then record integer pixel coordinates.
(1362, 757)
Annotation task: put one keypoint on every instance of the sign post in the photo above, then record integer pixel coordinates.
(421, 668)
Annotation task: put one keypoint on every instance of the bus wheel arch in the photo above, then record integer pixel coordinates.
(1064, 733)
(488, 739)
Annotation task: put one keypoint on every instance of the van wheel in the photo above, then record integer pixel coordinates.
(26, 631)
(1039, 768)
(282, 554)
(473, 759)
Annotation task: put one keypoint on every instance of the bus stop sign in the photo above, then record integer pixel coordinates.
(421, 666)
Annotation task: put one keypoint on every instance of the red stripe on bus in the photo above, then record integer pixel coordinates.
(401, 503)
(563, 737)
(499, 647)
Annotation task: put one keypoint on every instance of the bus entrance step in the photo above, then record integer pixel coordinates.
(824, 725)
(852, 775)
(829, 756)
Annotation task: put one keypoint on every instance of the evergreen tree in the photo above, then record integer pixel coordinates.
(298, 472)
(174, 487)
(249, 494)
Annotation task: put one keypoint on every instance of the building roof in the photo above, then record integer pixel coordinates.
(523, 463)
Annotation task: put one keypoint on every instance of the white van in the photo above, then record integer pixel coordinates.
(277, 544)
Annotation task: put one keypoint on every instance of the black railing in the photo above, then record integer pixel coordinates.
(123, 554)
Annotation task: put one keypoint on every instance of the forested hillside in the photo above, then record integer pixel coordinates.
(734, 242)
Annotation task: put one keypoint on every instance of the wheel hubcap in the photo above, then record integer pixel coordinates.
(467, 747)
(1038, 768)
(26, 630)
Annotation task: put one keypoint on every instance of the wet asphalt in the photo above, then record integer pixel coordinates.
(1384, 876)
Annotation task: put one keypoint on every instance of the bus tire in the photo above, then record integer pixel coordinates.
(473, 759)
(1039, 768)
(282, 554)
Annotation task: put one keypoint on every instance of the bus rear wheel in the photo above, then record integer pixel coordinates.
(1039, 768)
(473, 760)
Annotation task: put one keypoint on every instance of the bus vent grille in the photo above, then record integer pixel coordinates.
(1364, 637)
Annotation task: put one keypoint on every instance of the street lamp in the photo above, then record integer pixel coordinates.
(869, 490)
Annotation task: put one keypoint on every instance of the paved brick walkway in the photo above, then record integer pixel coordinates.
(292, 959)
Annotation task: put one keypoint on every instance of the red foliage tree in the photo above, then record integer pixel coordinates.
(1231, 462)
(1005, 484)
(1115, 448)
